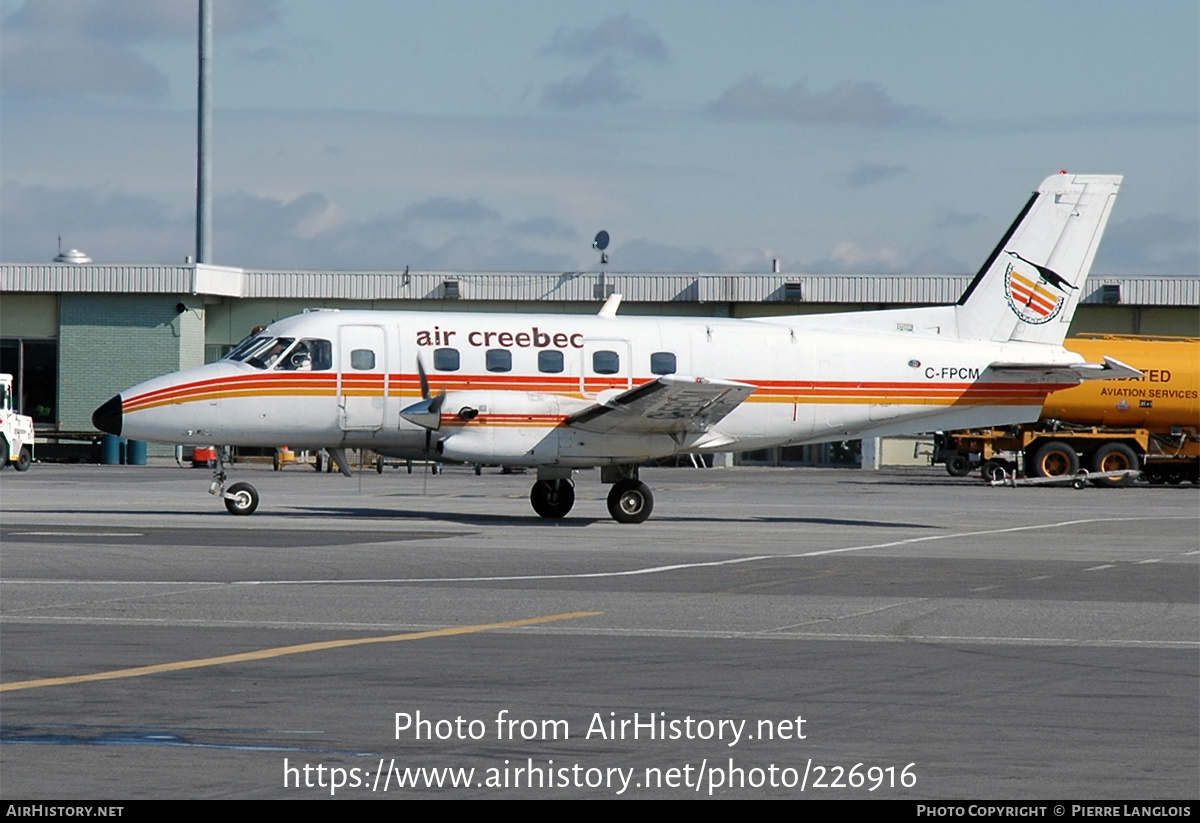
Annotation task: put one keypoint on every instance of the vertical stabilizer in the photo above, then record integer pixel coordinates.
(1030, 285)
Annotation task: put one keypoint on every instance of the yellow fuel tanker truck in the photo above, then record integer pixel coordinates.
(1149, 424)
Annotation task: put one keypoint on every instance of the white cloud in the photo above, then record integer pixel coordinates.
(867, 174)
(1154, 244)
(601, 84)
(620, 34)
(849, 103)
(87, 47)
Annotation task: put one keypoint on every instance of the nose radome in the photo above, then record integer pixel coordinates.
(108, 417)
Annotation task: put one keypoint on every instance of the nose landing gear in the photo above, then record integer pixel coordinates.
(240, 498)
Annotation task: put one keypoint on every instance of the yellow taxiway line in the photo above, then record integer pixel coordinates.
(283, 651)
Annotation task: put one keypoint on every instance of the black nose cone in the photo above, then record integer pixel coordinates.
(107, 418)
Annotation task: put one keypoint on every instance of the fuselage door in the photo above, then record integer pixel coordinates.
(362, 377)
(607, 364)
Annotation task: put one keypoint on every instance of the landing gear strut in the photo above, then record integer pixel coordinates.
(240, 498)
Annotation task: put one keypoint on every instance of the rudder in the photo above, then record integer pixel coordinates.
(1030, 285)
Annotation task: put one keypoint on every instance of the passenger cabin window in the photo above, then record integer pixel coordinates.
(446, 359)
(662, 362)
(606, 362)
(499, 360)
(550, 362)
(362, 359)
(309, 355)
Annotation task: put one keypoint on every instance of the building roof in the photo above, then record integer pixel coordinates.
(1139, 290)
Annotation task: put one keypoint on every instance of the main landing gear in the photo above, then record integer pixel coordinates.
(552, 499)
(629, 501)
(240, 498)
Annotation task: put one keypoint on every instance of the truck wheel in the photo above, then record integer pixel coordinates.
(3, 452)
(1055, 459)
(958, 466)
(24, 459)
(1115, 457)
(994, 470)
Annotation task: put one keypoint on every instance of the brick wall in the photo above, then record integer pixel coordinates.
(109, 342)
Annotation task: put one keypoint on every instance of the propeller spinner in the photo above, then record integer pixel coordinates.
(427, 412)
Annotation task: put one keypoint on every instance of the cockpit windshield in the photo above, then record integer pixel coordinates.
(310, 354)
(240, 350)
(262, 352)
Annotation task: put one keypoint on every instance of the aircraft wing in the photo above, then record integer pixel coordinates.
(1107, 370)
(672, 403)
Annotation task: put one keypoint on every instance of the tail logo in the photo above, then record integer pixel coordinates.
(1030, 296)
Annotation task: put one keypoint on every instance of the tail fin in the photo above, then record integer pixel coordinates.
(1030, 285)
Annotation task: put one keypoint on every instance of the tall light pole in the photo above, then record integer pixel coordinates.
(203, 134)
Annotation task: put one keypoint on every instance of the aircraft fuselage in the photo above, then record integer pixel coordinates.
(525, 374)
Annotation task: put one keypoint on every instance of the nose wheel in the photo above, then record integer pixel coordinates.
(241, 498)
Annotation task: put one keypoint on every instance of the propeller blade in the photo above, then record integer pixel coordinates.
(424, 379)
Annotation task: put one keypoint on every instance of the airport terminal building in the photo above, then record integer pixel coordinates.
(74, 335)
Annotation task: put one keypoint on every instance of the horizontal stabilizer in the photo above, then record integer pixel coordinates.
(1054, 372)
(672, 403)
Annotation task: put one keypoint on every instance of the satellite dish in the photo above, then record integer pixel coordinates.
(601, 241)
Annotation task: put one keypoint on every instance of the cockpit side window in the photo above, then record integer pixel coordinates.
(310, 354)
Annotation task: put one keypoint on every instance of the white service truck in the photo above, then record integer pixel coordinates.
(16, 430)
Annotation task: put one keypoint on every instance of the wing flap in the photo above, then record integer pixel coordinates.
(672, 403)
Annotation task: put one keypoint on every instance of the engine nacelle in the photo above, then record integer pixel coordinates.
(516, 428)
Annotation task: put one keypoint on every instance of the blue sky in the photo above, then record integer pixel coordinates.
(861, 137)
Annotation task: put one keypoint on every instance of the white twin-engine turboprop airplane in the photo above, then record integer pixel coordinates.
(561, 392)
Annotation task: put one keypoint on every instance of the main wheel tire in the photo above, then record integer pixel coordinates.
(1115, 457)
(958, 466)
(24, 459)
(276, 461)
(552, 499)
(630, 501)
(379, 464)
(1055, 459)
(244, 500)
